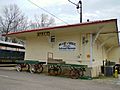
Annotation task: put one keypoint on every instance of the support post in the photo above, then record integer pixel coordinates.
(110, 49)
(91, 49)
(97, 36)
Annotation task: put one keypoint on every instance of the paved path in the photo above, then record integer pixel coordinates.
(12, 80)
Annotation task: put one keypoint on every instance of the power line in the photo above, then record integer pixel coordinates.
(46, 11)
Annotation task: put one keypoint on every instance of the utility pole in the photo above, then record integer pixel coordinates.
(78, 6)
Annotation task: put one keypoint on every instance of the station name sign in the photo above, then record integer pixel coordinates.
(67, 46)
(43, 33)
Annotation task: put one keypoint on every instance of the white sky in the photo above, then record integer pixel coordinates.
(92, 9)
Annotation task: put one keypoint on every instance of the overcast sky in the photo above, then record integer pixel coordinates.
(92, 9)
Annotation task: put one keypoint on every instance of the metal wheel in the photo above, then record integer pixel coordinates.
(81, 72)
(59, 71)
(54, 70)
(50, 70)
(74, 74)
(39, 68)
(32, 69)
(27, 67)
(18, 68)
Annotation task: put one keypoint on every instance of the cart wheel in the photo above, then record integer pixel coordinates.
(81, 73)
(59, 70)
(39, 68)
(27, 67)
(74, 74)
(32, 69)
(18, 68)
(50, 70)
(54, 70)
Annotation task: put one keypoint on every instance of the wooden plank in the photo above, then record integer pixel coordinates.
(19, 62)
(30, 62)
(67, 65)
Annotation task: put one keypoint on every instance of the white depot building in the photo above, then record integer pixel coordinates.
(86, 43)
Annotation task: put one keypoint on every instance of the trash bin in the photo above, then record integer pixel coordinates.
(108, 70)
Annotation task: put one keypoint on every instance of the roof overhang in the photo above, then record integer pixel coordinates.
(9, 44)
(108, 29)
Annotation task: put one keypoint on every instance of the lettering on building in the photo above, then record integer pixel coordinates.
(43, 33)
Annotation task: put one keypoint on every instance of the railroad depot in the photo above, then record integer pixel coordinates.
(86, 43)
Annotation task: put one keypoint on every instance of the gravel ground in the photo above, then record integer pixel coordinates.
(12, 80)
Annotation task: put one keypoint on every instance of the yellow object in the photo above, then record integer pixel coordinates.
(116, 73)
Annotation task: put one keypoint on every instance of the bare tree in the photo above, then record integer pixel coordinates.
(12, 20)
(43, 21)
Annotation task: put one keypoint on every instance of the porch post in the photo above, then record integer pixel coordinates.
(91, 50)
